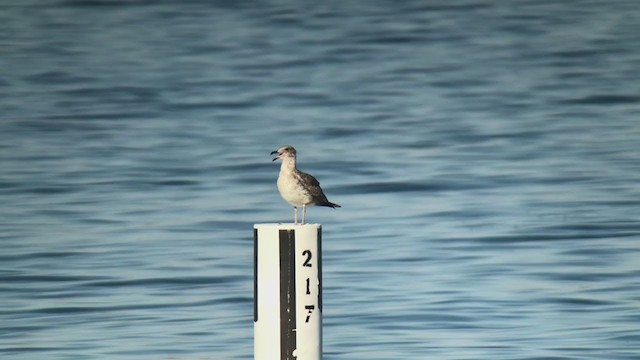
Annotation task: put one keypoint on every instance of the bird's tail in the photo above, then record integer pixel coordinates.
(330, 204)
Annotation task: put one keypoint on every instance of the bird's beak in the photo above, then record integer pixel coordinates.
(277, 157)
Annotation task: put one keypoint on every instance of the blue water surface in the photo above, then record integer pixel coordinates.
(486, 156)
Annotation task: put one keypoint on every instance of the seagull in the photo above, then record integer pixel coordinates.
(296, 187)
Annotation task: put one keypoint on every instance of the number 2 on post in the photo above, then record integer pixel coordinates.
(307, 261)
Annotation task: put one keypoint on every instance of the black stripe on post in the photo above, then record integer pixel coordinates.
(287, 294)
(255, 275)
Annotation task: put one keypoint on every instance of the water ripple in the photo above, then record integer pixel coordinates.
(485, 156)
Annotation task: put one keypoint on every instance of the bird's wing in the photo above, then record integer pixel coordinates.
(309, 179)
(315, 190)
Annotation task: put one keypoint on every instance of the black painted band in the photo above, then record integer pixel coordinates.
(287, 294)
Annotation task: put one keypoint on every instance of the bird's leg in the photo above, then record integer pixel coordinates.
(304, 213)
(295, 215)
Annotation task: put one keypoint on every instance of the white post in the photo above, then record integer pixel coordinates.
(287, 284)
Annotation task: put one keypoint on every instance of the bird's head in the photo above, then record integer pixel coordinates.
(284, 152)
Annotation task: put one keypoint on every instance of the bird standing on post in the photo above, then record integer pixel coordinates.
(296, 187)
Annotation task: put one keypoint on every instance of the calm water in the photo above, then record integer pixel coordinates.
(487, 158)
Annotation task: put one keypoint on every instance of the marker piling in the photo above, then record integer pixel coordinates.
(287, 299)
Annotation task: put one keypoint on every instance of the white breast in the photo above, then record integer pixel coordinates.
(291, 189)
